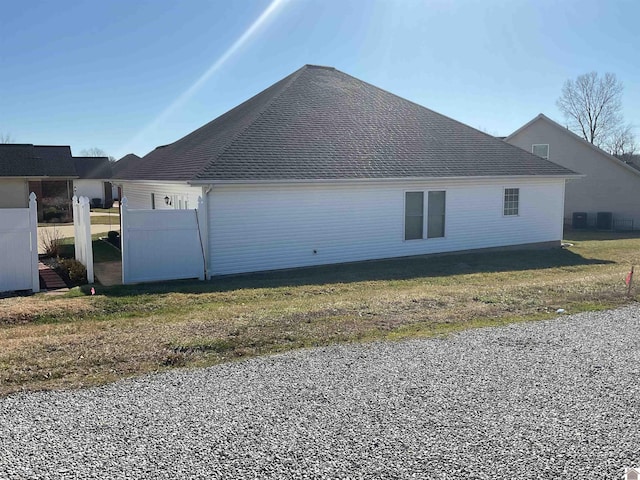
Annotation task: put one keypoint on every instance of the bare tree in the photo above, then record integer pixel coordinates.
(93, 152)
(6, 138)
(622, 144)
(592, 106)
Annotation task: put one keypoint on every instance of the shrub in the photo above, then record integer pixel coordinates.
(113, 238)
(51, 241)
(76, 270)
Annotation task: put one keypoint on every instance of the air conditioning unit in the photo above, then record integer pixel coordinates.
(579, 220)
(604, 221)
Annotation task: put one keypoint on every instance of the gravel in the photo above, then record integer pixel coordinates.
(553, 399)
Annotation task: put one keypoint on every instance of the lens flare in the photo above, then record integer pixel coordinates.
(189, 92)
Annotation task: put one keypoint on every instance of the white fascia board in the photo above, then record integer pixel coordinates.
(379, 180)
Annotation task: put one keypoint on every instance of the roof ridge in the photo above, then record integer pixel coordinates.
(294, 76)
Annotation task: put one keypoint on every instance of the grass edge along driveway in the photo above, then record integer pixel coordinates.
(81, 340)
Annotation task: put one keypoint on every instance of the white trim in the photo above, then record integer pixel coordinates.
(376, 180)
(534, 145)
(404, 217)
(425, 214)
(504, 200)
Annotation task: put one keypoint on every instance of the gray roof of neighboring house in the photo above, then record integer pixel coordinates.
(321, 124)
(93, 168)
(26, 160)
(126, 161)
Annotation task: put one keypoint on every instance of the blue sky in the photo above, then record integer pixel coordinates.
(120, 75)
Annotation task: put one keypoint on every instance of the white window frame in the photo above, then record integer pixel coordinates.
(504, 202)
(404, 216)
(540, 145)
(425, 214)
(444, 233)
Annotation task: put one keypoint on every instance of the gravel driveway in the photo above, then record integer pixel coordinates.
(554, 399)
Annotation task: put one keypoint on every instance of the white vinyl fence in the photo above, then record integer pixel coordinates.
(161, 244)
(19, 248)
(82, 231)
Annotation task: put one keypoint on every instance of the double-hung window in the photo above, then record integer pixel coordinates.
(414, 215)
(435, 214)
(511, 201)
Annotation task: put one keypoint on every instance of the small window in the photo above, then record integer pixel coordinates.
(511, 201)
(541, 150)
(153, 201)
(435, 214)
(413, 215)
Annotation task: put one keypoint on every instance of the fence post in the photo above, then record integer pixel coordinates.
(124, 250)
(85, 210)
(76, 225)
(33, 235)
(201, 230)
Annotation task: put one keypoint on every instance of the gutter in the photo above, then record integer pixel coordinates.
(377, 180)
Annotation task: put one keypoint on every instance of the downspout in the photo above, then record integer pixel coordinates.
(206, 189)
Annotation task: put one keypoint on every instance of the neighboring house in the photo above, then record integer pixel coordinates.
(609, 186)
(93, 180)
(54, 175)
(324, 168)
(125, 162)
(48, 171)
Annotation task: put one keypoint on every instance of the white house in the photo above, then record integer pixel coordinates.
(324, 168)
(609, 191)
(94, 174)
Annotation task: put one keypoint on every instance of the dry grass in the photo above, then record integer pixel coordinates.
(83, 340)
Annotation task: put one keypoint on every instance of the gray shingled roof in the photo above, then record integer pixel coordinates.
(93, 167)
(26, 160)
(319, 123)
(124, 162)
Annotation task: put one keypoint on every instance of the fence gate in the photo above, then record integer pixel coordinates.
(19, 248)
(161, 244)
(82, 233)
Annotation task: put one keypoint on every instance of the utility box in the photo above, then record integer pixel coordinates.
(579, 220)
(604, 221)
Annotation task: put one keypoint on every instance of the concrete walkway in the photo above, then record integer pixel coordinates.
(108, 273)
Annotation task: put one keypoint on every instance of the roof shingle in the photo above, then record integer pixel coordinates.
(26, 160)
(322, 124)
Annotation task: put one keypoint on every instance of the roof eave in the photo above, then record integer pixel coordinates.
(378, 180)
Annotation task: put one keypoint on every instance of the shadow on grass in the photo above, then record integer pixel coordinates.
(406, 268)
(587, 235)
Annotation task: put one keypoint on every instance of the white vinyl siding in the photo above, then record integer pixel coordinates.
(152, 195)
(89, 188)
(263, 227)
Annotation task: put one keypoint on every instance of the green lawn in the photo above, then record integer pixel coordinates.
(53, 342)
(105, 210)
(102, 251)
(95, 220)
